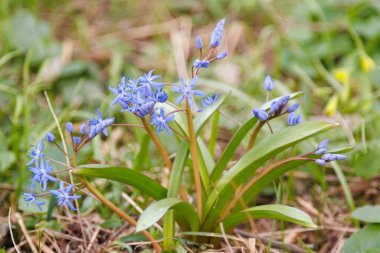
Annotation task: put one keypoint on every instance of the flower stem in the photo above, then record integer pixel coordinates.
(158, 144)
(254, 135)
(119, 212)
(163, 153)
(194, 156)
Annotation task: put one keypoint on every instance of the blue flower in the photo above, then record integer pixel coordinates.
(41, 174)
(31, 197)
(144, 109)
(261, 114)
(268, 83)
(63, 195)
(36, 153)
(50, 137)
(121, 93)
(293, 108)
(161, 122)
(69, 127)
(221, 55)
(209, 100)
(329, 157)
(322, 147)
(320, 162)
(198, 42)
(200, 64)
(320, 151)
(148, 78)
(217, 34)
(333, 157)
(99, 125)
(188, 91)
(323, 144)
(277, 105)
(160, 96)
(284, 100)
(76, 140)
(294, 119)
(82, 129)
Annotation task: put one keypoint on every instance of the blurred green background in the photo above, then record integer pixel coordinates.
(76, 49)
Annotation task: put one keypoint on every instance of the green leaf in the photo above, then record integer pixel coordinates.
(364, 241)
(177, 169)
(123, 175)
(252, 160)
(156, 210)
(229, 151)
(207, 157)
(369, 214)
(276, 212)
(238, 137)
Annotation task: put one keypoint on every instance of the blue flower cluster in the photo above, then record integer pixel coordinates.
(42, 171)
(215, 40)
(277, 107)
(42, 174)
(139, 96)
(326, 157)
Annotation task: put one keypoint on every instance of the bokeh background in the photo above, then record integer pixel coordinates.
(74, 50)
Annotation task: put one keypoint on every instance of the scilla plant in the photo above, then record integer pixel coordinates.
(224, 188)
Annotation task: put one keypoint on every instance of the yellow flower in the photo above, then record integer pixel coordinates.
(366, 63)
(342, 75)
(332, 106)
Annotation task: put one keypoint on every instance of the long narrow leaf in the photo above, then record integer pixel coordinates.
(277, 212)
(123, 175)
(177, 170)
(156, 210)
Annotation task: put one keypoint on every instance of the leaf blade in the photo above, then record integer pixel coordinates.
(158, 209)
(123, 175)
(272, 211)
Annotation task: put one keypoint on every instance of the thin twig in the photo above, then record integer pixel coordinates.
(225, 237)
(10, 230)
(229, 118)
(93, 239)
(25, 231)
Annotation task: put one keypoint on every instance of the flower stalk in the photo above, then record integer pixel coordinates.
(194, 156)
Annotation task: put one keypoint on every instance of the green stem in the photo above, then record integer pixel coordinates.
(118, 211)
(194, 156)
(168, 230)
